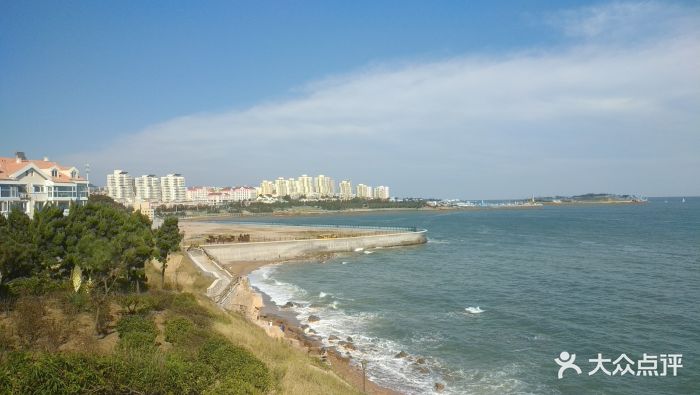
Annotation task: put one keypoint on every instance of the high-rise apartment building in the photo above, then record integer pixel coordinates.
(345, 189)
(364, 191)
(281, 187)
(147, 188)
(173, 188)
(324, 185)
(306, 185)
(120, 186)
(267, 187)
(381, 192)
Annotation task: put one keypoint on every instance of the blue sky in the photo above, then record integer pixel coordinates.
(451, 99)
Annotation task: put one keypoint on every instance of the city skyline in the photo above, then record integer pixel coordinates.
(570, 98)
(172, 188)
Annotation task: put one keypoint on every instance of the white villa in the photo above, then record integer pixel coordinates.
(32, 184)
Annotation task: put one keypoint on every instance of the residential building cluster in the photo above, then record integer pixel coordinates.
(124, 188)
(146, 191)
(216, 195)
(30, 185)
(319, 187)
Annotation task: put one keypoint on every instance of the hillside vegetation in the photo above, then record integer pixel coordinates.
(87, 308)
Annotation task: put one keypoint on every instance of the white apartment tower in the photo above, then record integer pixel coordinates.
(281, 187)
(364, 191)
(147, 188)
(120, 186)
(325, 186)
(381, 192)
(345, 189)
(306, 185)
(267, 187)
(173, 188)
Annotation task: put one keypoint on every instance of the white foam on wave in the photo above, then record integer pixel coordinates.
(369, 252)
(344, 263)
(358, 249)
(383, 368)
(473, 310)
(278, 291)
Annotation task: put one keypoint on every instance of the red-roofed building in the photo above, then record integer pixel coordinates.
(32, 184)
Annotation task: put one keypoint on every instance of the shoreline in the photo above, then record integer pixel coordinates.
(259, 309)
(271, 318)
(321, 213)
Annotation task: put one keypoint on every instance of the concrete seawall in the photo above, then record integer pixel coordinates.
(293, 249)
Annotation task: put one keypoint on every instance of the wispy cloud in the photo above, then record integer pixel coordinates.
(597, 115)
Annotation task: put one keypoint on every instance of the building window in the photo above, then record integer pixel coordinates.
(54, 173)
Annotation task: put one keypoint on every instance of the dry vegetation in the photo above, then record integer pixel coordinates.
(161, 341)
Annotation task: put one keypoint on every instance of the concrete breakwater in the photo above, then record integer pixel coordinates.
(294, 249)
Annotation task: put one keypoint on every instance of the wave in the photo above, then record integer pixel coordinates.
(358, 249)
(278, 291)
(369, 252)
(473, 310)
(400, 373)
(343, 263)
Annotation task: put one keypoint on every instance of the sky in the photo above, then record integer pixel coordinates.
(454, 99)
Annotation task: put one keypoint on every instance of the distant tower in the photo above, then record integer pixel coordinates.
(87, 172)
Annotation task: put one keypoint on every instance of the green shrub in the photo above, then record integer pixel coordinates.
(159, 300)
(186, 304)
(136, 331)
(76, 302)
(178, 330)
(237, 366)
(34, 286)
(51, 374)
(134, 303)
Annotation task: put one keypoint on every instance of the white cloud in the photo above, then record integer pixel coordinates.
(597, 115)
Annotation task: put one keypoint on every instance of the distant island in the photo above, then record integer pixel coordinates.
(605, 198)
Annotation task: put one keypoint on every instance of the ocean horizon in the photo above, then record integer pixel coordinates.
(496, 295)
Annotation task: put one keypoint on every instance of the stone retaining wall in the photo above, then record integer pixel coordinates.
(292, 249)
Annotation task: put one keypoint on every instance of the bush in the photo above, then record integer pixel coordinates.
(34, 286)
(134, 303)
(178, 329)
(76, 302)
(51, 374)
(29, 318)
(186, 304)
(239, 368)
(159, 300)
(136, 332)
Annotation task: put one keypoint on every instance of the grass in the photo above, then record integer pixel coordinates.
(171, 340)
(293, 370)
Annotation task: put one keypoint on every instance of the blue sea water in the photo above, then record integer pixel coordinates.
(607, 279)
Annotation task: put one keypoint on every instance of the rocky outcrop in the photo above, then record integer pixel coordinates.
(314, 318)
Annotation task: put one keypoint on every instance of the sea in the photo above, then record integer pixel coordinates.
(497, 296)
